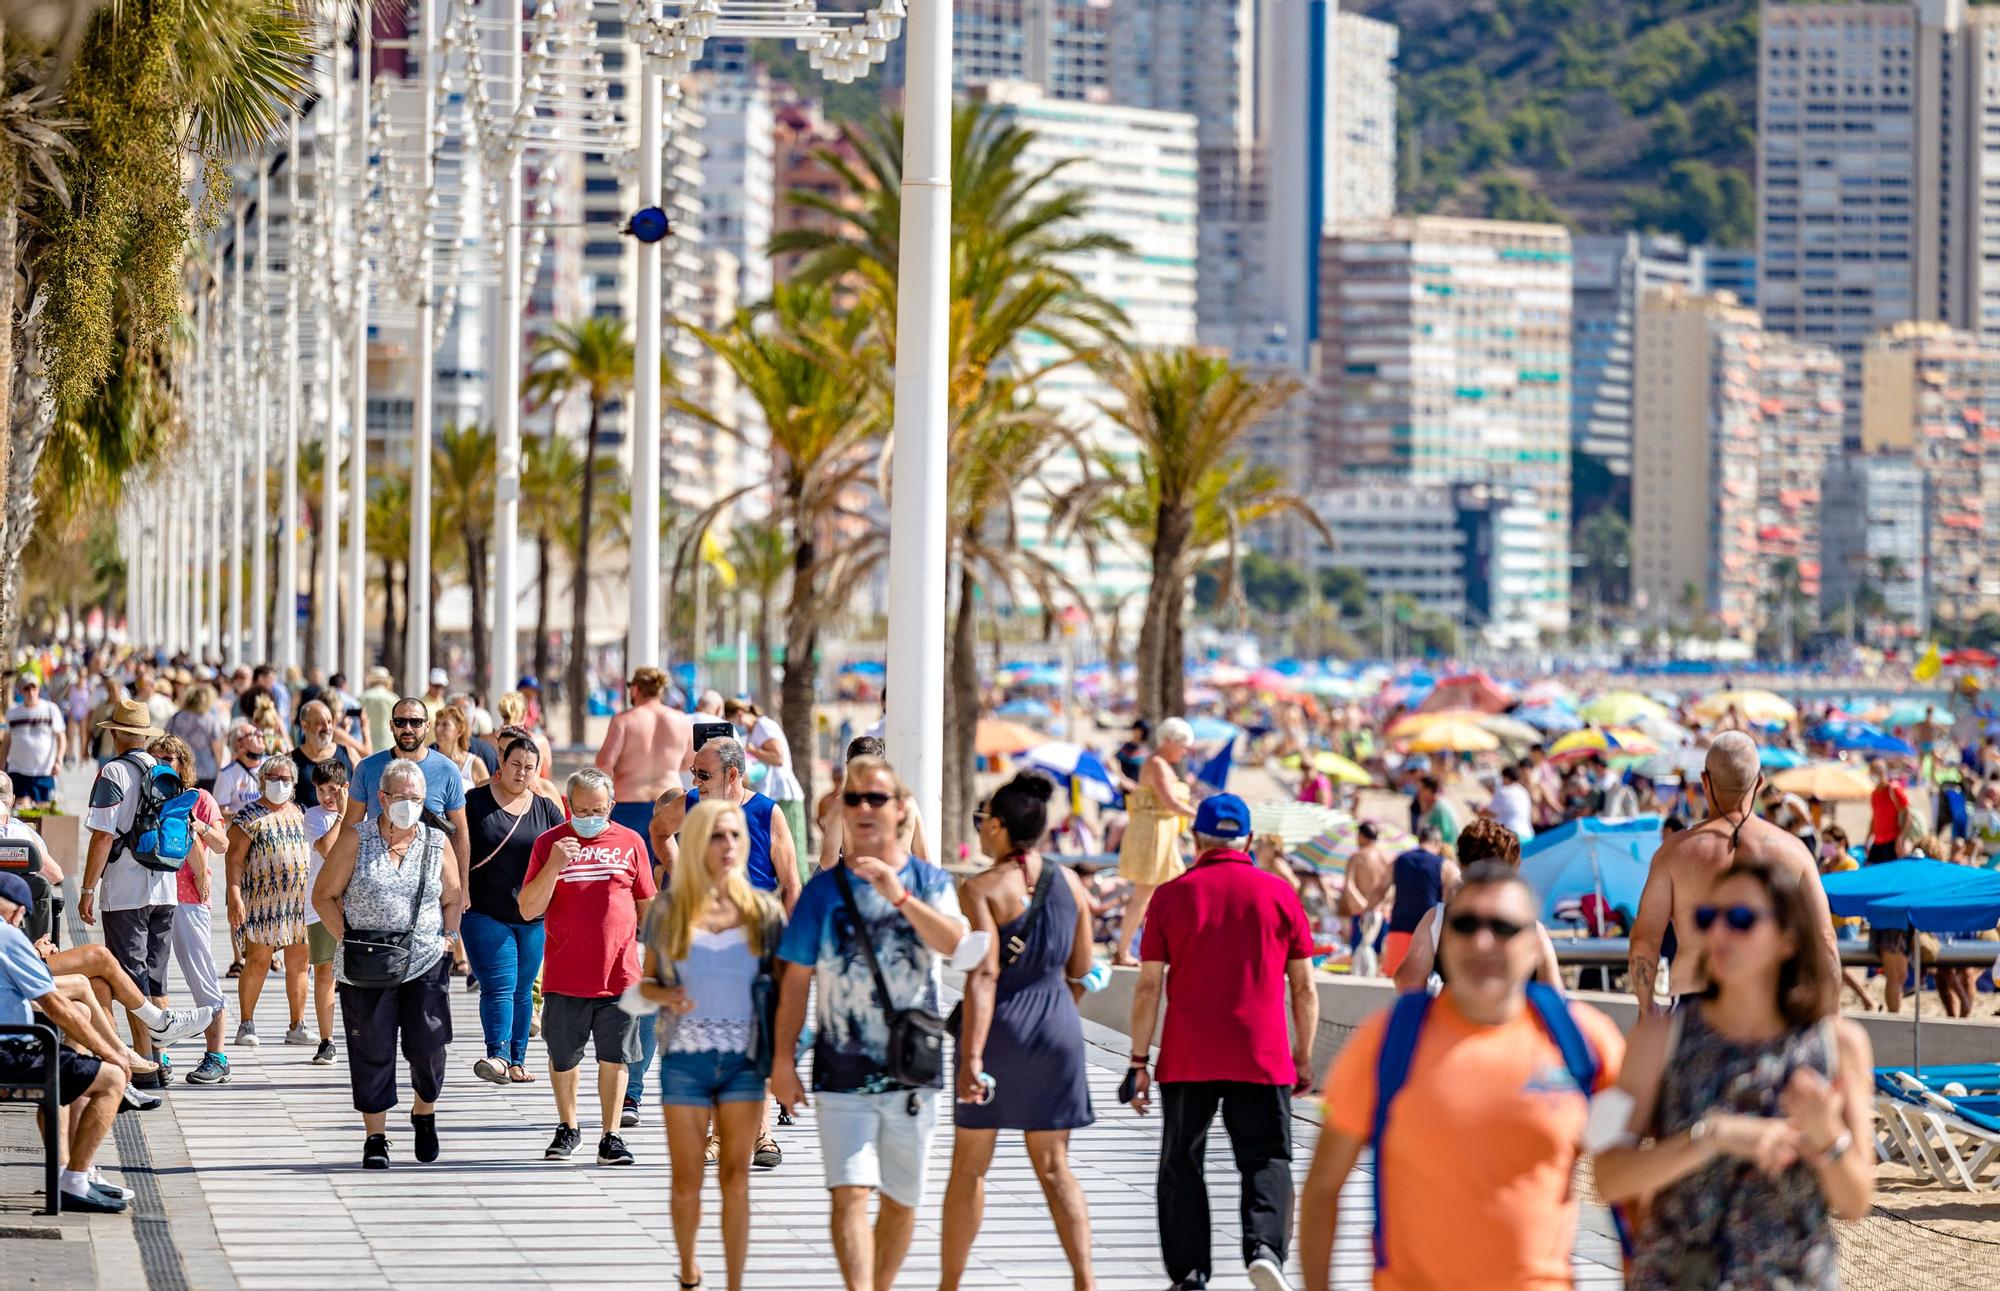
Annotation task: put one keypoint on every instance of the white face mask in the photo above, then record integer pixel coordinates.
(278, 791)
(403, 813)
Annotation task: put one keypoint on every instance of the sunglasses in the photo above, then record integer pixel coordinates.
(1467, 925)
(1740, 918)
(979, 818)
(407, 723)
(703, 776)
(875, 800)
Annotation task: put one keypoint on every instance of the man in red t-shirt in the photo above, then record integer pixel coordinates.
(1889, 816)
(1243, 937)
(592, 880)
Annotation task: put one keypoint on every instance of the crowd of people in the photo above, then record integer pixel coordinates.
(664, 911)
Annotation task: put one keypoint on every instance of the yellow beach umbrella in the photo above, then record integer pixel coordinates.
(1826, 781)
(1453, 737)
(1758, 706)
(1620, 708)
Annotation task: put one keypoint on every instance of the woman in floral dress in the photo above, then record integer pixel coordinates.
(270, 867)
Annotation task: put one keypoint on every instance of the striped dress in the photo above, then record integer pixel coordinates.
(277, 883)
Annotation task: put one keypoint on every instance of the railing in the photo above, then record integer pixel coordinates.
(1614, 951)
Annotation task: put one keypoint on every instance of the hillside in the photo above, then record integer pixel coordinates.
(1601, 114)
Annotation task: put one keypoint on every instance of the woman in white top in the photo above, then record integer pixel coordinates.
(452, 734)
(764, 740)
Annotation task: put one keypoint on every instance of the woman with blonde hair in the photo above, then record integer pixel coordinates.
(711, 942)
(264, 716)
(451, 735)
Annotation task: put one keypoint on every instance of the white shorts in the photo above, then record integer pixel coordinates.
(872, 1141)
(195, 953)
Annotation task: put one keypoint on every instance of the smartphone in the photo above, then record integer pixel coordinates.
(706, 731)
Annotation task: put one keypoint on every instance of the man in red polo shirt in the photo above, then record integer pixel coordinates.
(1245, 940)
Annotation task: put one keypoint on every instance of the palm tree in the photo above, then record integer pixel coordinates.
(762, 556)
(551, 481)
(387, 531)
(1188, 491)
(808, 365)
(312, 461)
(463, 472)
(593, 357)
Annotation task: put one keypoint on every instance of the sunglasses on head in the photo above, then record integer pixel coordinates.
(876, 800)
(407, 723)
(1467, 925)
(1740, 918)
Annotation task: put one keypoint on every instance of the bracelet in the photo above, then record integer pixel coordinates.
(1141, 1060)
(897, 904)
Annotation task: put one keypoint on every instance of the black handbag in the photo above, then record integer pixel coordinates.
(380, 957)
(1015, 944)
(916, 1036)
(764, 997)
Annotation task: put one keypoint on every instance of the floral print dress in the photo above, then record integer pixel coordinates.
(276, 874)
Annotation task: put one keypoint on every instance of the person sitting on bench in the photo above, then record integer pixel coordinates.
(93, 1083)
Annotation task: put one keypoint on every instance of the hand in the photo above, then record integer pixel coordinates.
(1142, 1091)
(677, 1000)
(237, 914)
(1302, 1066)
(566, 850)
(1769, 1144)
(86, 907)
(971, 1089)
(879, 876)
(785, 1087)
(1815, 1109)
(44, 948)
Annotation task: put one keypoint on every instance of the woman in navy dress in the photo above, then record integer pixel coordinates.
(1020, 1026)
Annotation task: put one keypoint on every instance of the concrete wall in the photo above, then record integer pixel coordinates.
(1344, 1004)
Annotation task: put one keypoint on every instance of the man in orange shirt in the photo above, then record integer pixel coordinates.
(1475, 1153)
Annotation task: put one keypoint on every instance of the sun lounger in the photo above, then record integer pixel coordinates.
(1977, 1077)
(1955, 1139)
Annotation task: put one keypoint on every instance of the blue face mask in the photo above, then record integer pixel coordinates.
(589, 826)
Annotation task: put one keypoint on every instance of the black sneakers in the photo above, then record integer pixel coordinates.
(628, 1115)
(375, 1152)
(426, 1131)
(611, 1150)
(563, 1143)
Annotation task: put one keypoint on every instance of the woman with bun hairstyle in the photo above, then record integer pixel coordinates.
(1020, 1027)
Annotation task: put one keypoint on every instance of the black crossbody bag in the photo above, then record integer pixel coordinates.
(916, 1036)
(1015, 944)
(380, 957)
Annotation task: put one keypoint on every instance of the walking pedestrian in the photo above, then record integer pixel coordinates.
(193, 939)
(590, 878)
(136, 900)
(236, 780)
(320, 740)
(326, 822)
(1484, 839)
(444, 790)
(390, 897)
(378, 704)
(1474, 1102)
(1229, 944)
(35, 738)
(1752, 1109)
(763, 740)
(646, 748)
(1419, 877)
(270, 885)
(870, 932)
(1150, 852)
(453, 738)
(198, 725)
(1020, 1026)
(505, 816)
(711, 949)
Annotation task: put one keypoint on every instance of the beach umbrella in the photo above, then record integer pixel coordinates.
(1874, 744)
(1910, 712)
(1343, 769)
(1970, 657)
(1329, 852)
(1599, 739)
(1296, 823)
(1212, 730)
(1411, 723)
(866, 668)
(1773, 757)
(1620, 708)
(1225, 675)
(1453, 737)
(1548, 691)
(1682, 760)
(1474, 690)
(1593, 855)
(1760, 707)
(1033, 709)
(1663, 731)
(1065, 762)
(1826, 781)
(1511, 730)
(1326, 686)
(995, 737)
(1550, 719)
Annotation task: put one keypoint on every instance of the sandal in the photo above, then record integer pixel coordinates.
(711, 1154)
(690, 1286)
(520, 1075)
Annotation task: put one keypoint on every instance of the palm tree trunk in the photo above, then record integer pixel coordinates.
(476, 579)
(576, 681)
(1161, 661)
(312, 602)
(801, 642)
(763, 631)
(436, 650)
(392, 634)
(544, 549)
(961, 721)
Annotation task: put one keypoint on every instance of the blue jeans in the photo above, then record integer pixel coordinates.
(505, 958)
(635, 1072)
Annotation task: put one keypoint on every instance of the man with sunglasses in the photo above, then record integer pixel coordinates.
(1229, 944)
(720, 771)
(874, 1131)
(1474, 1157)
(1688, 864)
(444, 787)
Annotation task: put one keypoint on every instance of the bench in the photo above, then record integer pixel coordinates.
(46, 1095)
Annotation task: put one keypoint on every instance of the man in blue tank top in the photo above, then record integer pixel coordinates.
(1421, 877)
(718, 772)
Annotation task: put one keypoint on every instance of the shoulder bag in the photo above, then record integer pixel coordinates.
(1015, 945)
(916, 1036)
(380, 957)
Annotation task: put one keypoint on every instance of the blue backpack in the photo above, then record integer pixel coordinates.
(1392, 1068)
(163, 826)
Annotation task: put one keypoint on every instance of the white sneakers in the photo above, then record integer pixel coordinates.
(246, 1034)
(179, 1024)
(1266, 1274)
(299, 1035)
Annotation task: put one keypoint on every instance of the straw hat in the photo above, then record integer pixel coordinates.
(130, 717)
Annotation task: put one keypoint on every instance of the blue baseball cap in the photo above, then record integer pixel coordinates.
(15, 888)
(1222, 816)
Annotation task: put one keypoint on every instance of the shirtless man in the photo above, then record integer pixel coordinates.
(646, 749)
(1688, 864)
(1367, 887)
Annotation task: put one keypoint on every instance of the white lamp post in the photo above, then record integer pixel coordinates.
(232, 426)
(260, 622)
(357, 431)
(327, 150)
(288, 516)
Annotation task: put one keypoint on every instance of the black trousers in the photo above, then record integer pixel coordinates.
(420, 1011)
(1258, 1119)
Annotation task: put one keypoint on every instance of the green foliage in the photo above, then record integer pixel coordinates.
(1345, 587)
(1268, 586)
(1700, 203)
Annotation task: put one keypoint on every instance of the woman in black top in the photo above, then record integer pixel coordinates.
(503, 818)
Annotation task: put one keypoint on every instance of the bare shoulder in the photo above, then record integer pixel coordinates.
(1856, 1052)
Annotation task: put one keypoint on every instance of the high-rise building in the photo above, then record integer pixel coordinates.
(1061, 45)
(1872, 536)
(1878, 193)
(1296, 109)
(1612, 274)
(1445, 360)
(1137, 166)
(803, 133)
(1799, 419)
(1730, 269)
(1933, 393)
(740, 175)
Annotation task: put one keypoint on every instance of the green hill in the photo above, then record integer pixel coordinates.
(1600, 114)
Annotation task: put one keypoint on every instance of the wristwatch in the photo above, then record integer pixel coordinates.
(1701, 1129)
(1838, 1148)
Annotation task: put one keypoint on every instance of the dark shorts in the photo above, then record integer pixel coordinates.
(1879, 852)
(569, 1021)
(24, 1062)
(41, 788)
(141, 941)
(1892, 941)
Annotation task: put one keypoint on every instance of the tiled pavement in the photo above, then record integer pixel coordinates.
(276, 1157)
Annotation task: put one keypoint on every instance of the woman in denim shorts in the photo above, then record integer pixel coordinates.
(708, 939)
